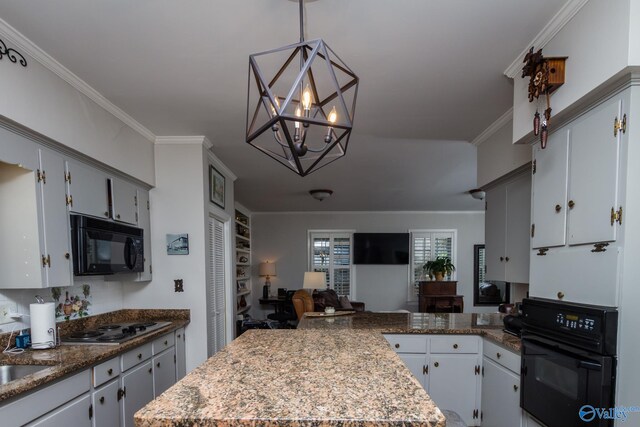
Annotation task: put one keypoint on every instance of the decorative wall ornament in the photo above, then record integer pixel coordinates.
(13, 55)
(546, 75)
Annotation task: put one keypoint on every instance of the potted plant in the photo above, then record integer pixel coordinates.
(439, 268)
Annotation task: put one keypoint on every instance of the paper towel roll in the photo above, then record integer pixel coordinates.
(43, 325)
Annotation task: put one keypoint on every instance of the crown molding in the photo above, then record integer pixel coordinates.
(493, 128)
(185, 140)
(363, 212)
(549, 31)
(213, 159)
(47, 61)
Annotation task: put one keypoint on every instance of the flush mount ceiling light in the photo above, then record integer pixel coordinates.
(301, 104)
(320, 194)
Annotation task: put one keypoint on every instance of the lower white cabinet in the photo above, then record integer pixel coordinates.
(529, 421)
(164, 371)
(500, 387)
(75, 413)
(181, 354)
(448, 367)
(137, 391)
(106, 408)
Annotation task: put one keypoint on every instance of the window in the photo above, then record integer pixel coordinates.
(330, 252)
(427, 245)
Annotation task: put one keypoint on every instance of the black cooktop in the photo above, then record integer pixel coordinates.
(113, 333)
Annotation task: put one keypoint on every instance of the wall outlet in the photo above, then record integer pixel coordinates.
(5, 309)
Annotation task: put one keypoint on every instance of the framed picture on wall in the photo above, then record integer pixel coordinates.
(178, 244)
(216, 187)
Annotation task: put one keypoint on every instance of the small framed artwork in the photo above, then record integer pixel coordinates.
(177, 244)
(216, 187)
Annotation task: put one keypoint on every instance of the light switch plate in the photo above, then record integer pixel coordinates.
(6, 308)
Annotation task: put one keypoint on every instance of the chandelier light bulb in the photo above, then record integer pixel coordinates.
(273, 110)
(306, 98)
(333, 115)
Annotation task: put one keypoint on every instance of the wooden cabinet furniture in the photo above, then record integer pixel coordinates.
(243, 261)
(448, 367)
(507, 223)
(439, 297)
(500, 387)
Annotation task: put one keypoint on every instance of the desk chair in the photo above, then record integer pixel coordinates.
(287, 313)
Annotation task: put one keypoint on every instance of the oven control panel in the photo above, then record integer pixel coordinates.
(576, 322)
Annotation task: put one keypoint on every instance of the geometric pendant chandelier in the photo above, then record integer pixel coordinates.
(301, 103)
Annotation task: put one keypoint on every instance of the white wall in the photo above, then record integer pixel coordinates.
(179, 204)
(282, 238)
(497, 155)
(597, 43)
(38, 99)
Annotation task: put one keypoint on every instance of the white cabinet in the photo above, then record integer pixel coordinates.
(124, 199)
(549, 192)
(87, 189)
(164, 371)
(529, 421)
(106, 408)
(59, 270)
(593, 174)
(181, 356)
(137, 385)
(507, 243)
(500, 396)
(34, 225)
(75, 413)
(454, 382)
(144, 222)
(448, 367)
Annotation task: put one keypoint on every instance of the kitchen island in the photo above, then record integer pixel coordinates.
(333, 371)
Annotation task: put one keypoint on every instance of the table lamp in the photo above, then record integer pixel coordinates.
(314, 280)
(266, 270)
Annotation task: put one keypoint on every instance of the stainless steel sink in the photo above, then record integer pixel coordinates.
(15, 372)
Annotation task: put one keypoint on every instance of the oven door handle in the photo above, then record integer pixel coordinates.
(592, 366)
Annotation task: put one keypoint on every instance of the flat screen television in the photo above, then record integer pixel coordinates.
(381, 248)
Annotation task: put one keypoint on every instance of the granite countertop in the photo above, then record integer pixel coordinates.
(331, 371)
(488, 325)
(307, 377)
(68, 359)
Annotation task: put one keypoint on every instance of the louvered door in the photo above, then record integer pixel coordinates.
(215, 287)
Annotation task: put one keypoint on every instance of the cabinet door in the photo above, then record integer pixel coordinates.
(454, 384)
(518, 243)
(106, 409)
(500, 396)
(549, 191)
(125, 198)
(495, 239)
(138, 385)
(593, 175)
(144, 222)
(56, 220)
(416, 363)
(74, 413)
(164, 371)
(181, 357)
(87, 187)
(593, 276)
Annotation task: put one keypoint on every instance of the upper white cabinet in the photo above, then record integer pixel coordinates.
(124, 199)
(575, 180)
(87, 189)
(507, 230)
(593, 174)
(549, 192)
(34, 225)
(144, 222)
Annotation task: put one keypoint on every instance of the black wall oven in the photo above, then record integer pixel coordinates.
(568, 362)
(104, 247)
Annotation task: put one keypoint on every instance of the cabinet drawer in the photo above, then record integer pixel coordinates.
(455, 344)
(106, 371)
(163, 343)
(502, 356)
(407, 343)
(135, 356)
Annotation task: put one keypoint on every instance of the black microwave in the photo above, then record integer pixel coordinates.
(103, 247)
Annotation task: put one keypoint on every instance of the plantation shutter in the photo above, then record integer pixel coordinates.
(331, 254)
(215, 288)
(427, 245)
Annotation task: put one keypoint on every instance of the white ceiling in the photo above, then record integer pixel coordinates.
(430, 72)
